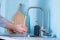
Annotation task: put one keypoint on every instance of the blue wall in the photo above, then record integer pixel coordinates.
(53, 9)
(3, 7)
(11, 8)
(55, 17)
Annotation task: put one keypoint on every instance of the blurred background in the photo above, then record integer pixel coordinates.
(51, 11)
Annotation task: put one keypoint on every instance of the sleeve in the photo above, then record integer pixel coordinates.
(2, 22)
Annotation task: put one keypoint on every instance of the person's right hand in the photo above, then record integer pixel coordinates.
(16, 29)
(21, 29)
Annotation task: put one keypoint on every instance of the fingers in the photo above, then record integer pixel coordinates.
(21, 31)
(17, 29)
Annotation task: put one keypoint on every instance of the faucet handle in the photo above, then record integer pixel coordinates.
(42, 30)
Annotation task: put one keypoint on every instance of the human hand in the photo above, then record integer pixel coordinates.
(16, 28)
(20, 29)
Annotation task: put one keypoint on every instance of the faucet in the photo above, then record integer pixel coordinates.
(42, 28)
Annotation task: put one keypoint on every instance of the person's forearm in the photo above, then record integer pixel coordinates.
(4, 22)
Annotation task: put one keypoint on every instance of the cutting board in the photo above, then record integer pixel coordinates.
(18, 19)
